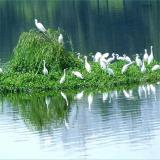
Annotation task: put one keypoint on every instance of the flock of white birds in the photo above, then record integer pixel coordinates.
(104, 60)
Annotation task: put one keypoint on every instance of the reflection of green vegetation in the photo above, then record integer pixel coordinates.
(34, 111)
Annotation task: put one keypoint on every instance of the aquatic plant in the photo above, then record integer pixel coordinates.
(24, 72)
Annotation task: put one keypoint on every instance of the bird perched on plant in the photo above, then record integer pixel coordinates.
(138, 61)
(1, 70)
(145, 56)
(110, 71)
(155, 67)
(87, 65)
(97, 56)
(63, 77)
(45, 70)
(60, 39)
(126, 58)
(40, 26)
(150, 57)
(109, 60)
(125, 67)
(120, 58)
(77, 74)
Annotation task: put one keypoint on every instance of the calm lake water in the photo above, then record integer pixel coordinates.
(117, 125)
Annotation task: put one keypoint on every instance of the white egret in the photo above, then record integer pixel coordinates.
(155, 67)
(104, 96)
(45, 70)
(150, 57)
(39, 26)
(65, 97)
(1, 70)
(77, 74)
(143, 68)
(125, 67)
(109, 60)
(97, 56)
(78, 55)
(87, 65)
(138, 61)
(103, 63)
(120, 58)
(79, 95)
(90, 100)
(105, 55)
(110, 71)
(127, 59)
(63, 77)
(60, 39)
(145, 56)
(47, 101)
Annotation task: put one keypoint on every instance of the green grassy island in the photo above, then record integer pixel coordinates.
(24, 72)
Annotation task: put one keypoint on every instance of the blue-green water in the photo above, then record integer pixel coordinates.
(116, 125)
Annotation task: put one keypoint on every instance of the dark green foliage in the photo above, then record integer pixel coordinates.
(34, 47)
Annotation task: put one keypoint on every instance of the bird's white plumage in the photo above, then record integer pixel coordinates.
(110, 71)
(60, 39)
(155, 67)
(143, 68)
(138, 61)
(87, 65)
(109, 60)
(127, 59)
(63, 77)
(77, 74)
(145, 56)
(125, 67)
(120, 58)
(45, 70)
(150, 57)
(40, 26)
(97, 56)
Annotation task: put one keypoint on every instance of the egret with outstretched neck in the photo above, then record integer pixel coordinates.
(40, 26)
(63, 77)
(150, 57)
(87, 65)
(125, 67)
(45, 70)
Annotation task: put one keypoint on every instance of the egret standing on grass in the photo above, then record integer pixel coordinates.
(150, 57)
(40, 26)
(145, 57)
(45, 70)
(127, 59)
(87, 65)
(63, 77)
(155, 67)
(77, 74)
(125, 67)
(138, 61)
(60, 39)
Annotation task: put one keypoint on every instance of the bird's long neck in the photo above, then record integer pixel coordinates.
(151, 50)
